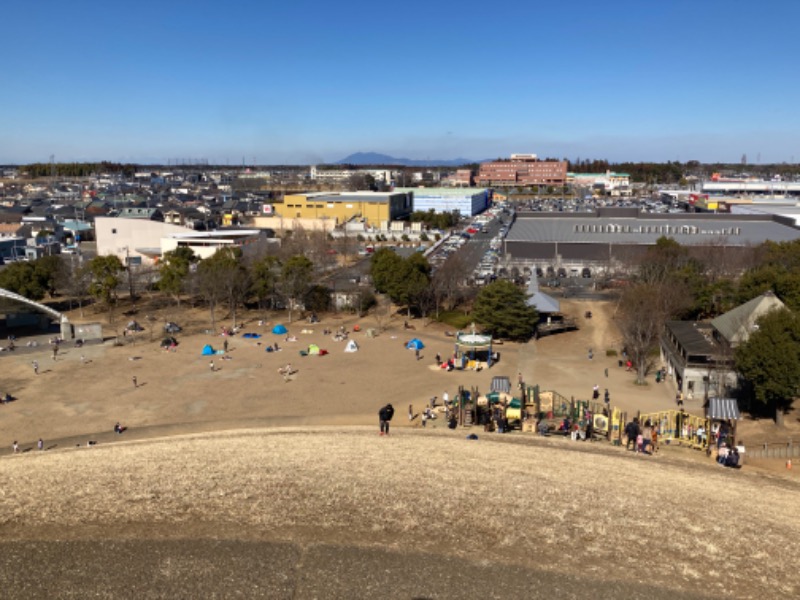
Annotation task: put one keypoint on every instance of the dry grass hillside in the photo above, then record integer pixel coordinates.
(550, 512)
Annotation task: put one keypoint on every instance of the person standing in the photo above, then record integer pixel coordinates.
(410, 412)
(607, 398)
(385, 415)
(595, 392)
(446, 398)
(211, 365)
(40, 444)
(225, 345)
(15, 446)
(416, 352)
(438, 359)
(135, 382)
(36, 367)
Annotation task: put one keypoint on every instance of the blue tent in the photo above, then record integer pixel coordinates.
(208, 350)
(279, 330)
(415, 344)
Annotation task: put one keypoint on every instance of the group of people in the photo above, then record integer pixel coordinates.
(728, 457)
(641, 438)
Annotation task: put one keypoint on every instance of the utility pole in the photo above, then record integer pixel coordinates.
(128, 266)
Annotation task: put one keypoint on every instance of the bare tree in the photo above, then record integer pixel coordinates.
(644, 310)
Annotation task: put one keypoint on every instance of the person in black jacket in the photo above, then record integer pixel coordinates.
(632, 431)
(385, 415)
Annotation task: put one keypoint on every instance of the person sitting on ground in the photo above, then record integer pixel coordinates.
(732, 459)
(287, 370)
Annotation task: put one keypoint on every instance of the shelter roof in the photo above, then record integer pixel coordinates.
(541, 301)
(501, 384)
(723, 408)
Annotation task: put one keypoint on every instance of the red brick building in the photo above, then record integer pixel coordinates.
(523, 169)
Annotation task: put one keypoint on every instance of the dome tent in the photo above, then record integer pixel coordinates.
(279, 330)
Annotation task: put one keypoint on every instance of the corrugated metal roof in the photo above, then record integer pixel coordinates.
(501, 384)
(723, 408)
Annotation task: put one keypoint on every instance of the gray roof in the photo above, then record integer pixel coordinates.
(694, 337)
(736, 325)
(541, 301)
(732, 230)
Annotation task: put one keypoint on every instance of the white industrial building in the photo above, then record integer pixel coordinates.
(467, 201)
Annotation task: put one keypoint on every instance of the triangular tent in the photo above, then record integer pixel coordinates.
(351, 346)
(279, 330)
(208, 350)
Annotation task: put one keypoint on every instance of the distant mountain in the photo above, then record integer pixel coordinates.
(374, 158)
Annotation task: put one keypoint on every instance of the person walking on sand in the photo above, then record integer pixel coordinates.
(135, 382)
(438, 359)
(225, 345)
(36, 367)
(15, 446)
(55, 351)
(211, 365)
(410, 412)
(385, 415)
(40, 444)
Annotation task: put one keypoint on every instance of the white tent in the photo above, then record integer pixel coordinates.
(351, 346)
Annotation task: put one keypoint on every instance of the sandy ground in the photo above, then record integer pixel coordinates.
(70, 398)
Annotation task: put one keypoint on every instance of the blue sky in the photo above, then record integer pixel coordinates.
(302, 82)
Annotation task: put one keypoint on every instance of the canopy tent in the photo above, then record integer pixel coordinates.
(472, 343)
(208, 350)
(351, 346)
(501, 385)
(415, 344)
(279, 330)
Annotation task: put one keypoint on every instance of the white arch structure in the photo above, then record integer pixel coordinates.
(66, 330)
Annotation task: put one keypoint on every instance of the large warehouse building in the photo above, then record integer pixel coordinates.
(612, 238)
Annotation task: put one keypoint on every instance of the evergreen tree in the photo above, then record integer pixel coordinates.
(501, 307)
